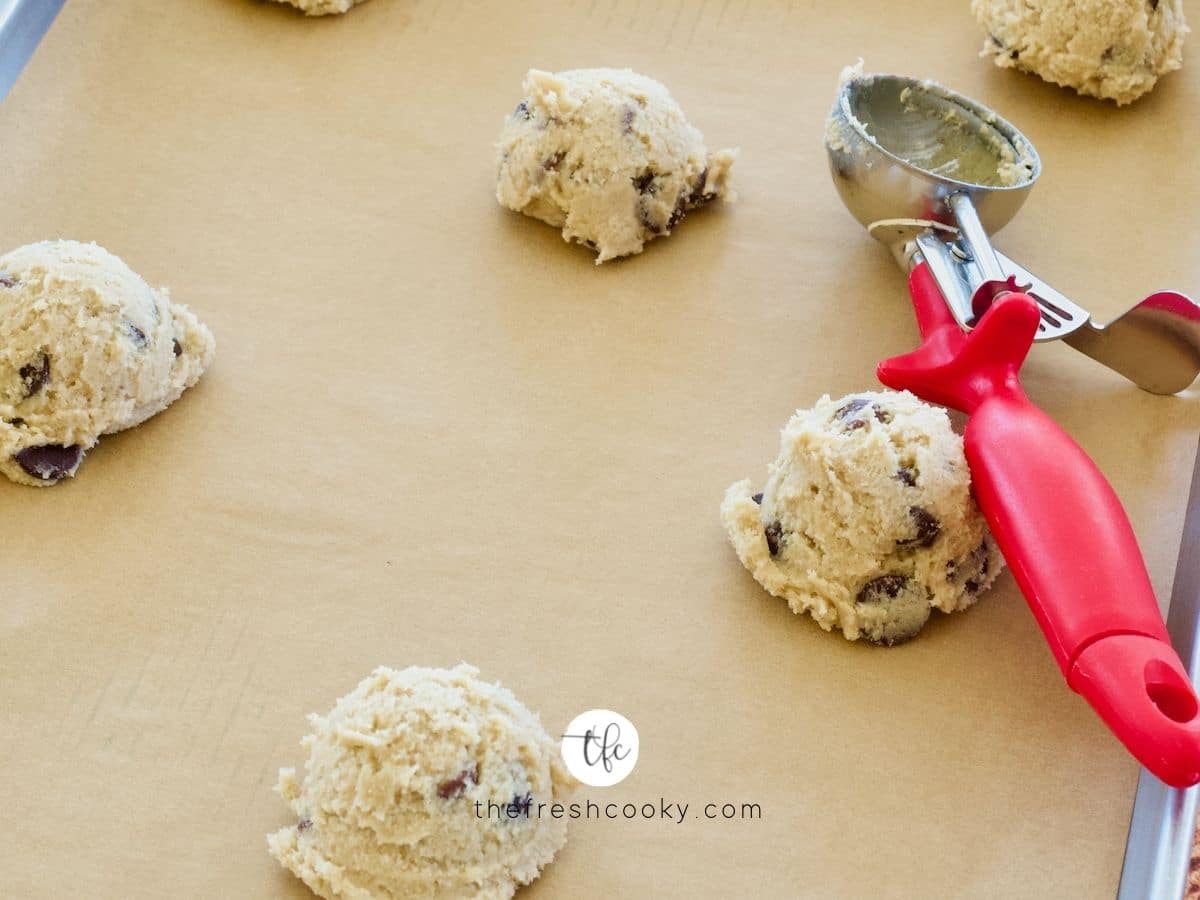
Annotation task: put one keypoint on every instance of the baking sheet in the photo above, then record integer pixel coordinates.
(433, 432)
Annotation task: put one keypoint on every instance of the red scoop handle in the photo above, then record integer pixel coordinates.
(1060, 527)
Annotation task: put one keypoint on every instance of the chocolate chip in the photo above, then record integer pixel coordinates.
(7, 280)
(522, 111)
(520, 805)
(303, 825)
(849, 412)
(698, 195)
(177, 347)
(644, 216)
(18, 422)
(35, 375)
(907, 476)
(679, 212)
(774, 533)
(550, 163)
(139, 336)
(49, 462)
(981, 554)
(883, 415)
(757, 498)
(850, 408)
(885, 587)
(1106, 56)
(627, 115)
(928, 528)
(452, 787)
(645, 183)
(977, 562)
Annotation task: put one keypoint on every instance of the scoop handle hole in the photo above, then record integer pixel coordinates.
(1172, 694)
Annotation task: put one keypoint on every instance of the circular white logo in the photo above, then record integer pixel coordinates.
(600, 747)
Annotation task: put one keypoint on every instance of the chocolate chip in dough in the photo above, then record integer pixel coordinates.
(678, 212)
(452, 787)
(49, 462)
(35, 375)
(928, 528)
(848, 414)
(881, 589)
(139, 336)
(980, 562)
(520, 805)
(774, 533)
(644, 183)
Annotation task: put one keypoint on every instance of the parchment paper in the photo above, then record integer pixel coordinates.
(434, 432)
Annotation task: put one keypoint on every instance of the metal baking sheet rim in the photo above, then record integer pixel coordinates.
(1162, 826)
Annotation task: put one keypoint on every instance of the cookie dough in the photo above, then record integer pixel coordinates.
(1112, 49)
(322, 7)
(866, 521)
(86, 348)
(607, 156)
(400, 774)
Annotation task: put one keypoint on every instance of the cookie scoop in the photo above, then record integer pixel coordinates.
(607, 156)
(423, 783)
(1055, 517)
(86, 348)
(866, 521)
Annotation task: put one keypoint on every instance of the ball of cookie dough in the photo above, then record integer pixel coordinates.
(423, 783)
(607, 156)
(1111, 49)
(86, 348)
(322, 7)
(866, 521)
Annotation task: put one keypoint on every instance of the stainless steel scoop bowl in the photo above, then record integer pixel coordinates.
(931, 174)
(894, 158)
